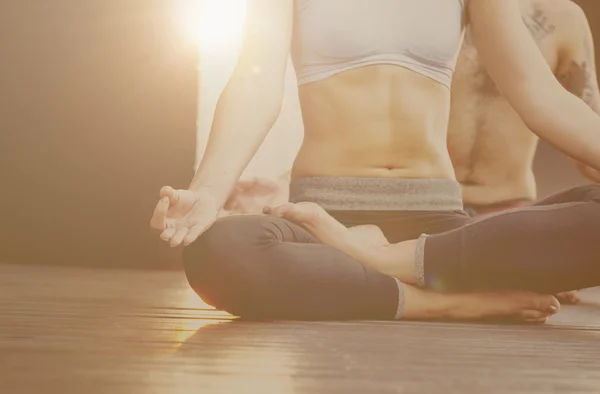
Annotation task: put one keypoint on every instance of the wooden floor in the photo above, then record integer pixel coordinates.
(65, 330)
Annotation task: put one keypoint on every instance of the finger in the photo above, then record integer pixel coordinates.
(178, 237)
(170, 193)
(159, 217)
(194, 233)
(167, 234)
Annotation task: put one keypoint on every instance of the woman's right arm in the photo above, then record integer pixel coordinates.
(246, 111)
(251, 100)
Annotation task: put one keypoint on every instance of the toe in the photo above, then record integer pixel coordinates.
(548, 304)
(542, 320)
(534, 315)
(569, 298)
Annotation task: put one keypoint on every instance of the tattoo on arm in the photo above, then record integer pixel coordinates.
(578, 80)
(538, 24)
(577, 69)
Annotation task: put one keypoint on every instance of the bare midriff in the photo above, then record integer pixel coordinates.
(375, 121)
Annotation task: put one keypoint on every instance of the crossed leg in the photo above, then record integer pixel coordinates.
(263, 267)
(549, 247)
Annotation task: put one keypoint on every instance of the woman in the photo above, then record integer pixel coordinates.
(374, 82)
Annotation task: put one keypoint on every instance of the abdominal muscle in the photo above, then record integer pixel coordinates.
(376, 121)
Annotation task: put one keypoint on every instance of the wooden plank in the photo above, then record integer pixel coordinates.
(73, 330)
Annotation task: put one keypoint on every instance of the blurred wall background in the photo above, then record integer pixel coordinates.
(98, 103)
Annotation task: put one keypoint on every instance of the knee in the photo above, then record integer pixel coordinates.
(221, 265)
(231, 236)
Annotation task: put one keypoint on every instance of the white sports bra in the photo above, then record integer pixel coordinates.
(333, 36)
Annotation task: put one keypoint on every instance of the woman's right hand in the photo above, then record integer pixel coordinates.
(183, 215)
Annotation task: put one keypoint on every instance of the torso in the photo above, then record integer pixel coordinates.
(491, 148)
(376, 118)
(380, 121)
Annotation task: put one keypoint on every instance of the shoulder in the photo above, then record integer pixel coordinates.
(572, 26)
(566, 14)
(568, 9)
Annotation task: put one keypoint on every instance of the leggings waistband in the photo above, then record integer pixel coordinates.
(378, 194)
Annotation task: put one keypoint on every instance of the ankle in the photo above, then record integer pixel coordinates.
(426, 304)
(398, 260)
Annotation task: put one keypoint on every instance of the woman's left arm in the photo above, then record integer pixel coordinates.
(513, 60)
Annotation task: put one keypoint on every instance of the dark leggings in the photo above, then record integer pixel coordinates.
(262, 267)
(268, 268)
(549, 247)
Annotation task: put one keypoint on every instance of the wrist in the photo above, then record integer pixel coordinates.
(286, 176)
(209, 195)
(217, 186)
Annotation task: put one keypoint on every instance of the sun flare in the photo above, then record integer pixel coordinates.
(215, 24)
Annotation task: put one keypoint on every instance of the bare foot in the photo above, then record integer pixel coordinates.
(315, 219)
(569, 297)
(369, 234)
(530, 307)
(420, 303)
(367, 244)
